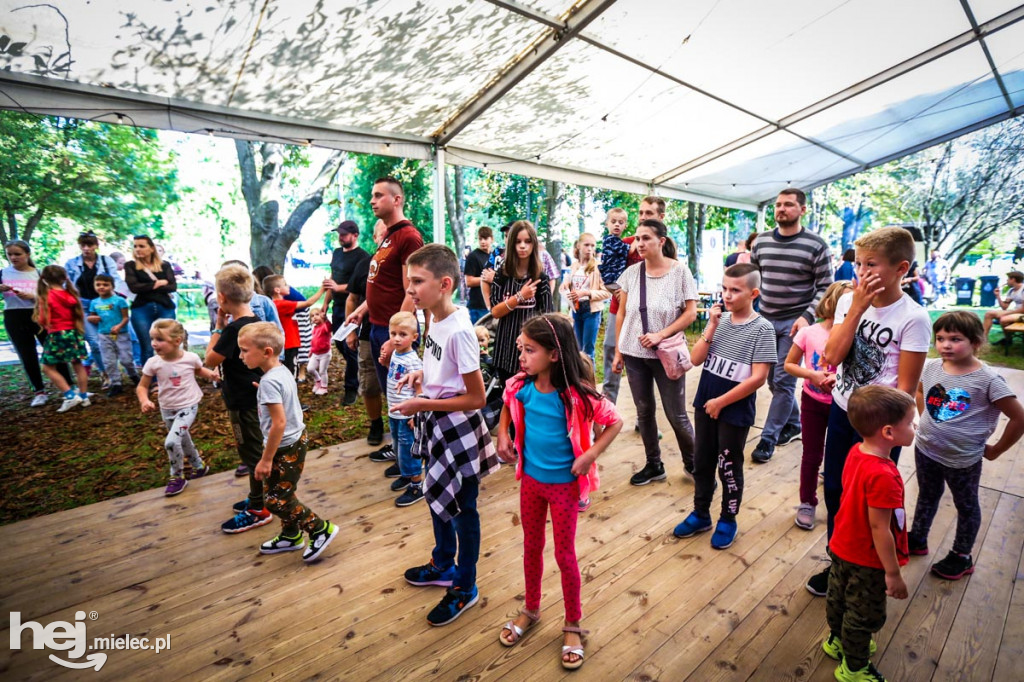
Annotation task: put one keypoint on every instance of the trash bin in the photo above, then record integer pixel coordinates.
(964, 290)
(988, 291)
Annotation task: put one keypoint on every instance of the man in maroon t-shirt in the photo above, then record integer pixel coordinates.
(387, 282)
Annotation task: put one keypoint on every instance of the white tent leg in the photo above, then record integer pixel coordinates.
(439, 180)
(760, 217)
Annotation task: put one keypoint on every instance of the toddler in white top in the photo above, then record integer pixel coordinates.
(175, 370)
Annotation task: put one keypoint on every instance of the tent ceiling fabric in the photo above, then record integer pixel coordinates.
(723, 101)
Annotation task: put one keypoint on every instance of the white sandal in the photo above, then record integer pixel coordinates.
(516, 631)
(577, 650)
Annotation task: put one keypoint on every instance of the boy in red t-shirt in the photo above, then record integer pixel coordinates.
(277, 288)
(869, 543)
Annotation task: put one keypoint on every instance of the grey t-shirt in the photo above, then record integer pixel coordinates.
(958, 414)
(278, 387)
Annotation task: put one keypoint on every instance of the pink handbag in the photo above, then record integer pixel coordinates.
(672, 351)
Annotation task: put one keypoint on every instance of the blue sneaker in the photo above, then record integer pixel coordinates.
(724, 535)
(692, 524)
(429, 574)
(452, 605)
(247, 520)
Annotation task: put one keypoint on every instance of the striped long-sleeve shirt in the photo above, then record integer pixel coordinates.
(795, 272)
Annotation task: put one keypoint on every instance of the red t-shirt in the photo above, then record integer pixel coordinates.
(286, 311)
(868, 481)
(632, 258)
(60, 304)
(385, 290)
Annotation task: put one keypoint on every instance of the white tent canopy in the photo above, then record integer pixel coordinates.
(720, 101)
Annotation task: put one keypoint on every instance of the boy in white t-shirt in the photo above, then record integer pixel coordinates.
(880, 336)
(451, 434)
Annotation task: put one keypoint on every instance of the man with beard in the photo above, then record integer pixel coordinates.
(796, 269)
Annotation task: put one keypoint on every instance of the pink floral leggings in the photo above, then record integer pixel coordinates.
(534, 500)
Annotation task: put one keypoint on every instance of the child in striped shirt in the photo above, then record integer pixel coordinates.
(737, 350)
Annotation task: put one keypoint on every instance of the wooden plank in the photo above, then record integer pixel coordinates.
(1011, 648)
(973, 642)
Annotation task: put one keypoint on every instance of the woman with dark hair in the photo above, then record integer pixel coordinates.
(666, 304)
(152, 281)
(82, 271)
(846, 270)
(18, 283)
(520, 290)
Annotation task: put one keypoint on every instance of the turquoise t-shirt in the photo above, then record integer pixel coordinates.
(548, 455)
(109, 310)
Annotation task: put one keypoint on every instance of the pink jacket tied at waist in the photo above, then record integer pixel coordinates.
(605, 414)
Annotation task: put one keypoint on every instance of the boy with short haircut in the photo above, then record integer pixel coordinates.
(408, 471)
(737, 349)
(110, 313)
(615, 257)
(869, 543)
(478, 261)
(234, 291)
(284, 445)
(452, 436)
(277, 288)
(880, 336)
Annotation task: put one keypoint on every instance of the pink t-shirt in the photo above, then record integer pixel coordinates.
(811, 340)
(176, 379)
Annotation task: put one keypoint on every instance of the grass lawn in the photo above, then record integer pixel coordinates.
(59, 461)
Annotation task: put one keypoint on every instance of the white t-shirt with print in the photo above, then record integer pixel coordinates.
(666, 300)
(881, 335)
(451, 350)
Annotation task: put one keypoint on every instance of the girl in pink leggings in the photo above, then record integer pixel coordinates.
(556, 463)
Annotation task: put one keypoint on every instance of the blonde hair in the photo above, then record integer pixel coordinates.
(826, 309)
(271, 282)
(404, 320)
(894, 243)
(482, 335)
(591, 264)
(235, 282)
(264, 335)
(172, 330)
(155, 264)
(617, 209)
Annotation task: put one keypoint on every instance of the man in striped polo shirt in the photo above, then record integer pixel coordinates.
(796, 268)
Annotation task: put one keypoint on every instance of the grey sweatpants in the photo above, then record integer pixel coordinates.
(116, 349)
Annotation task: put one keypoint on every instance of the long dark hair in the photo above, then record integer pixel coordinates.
(668, 249)
(23, 245)
(554, 332)
(510, 266)
(260, 274)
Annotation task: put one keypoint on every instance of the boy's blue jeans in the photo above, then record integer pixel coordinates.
(461, 534)
(401, 438)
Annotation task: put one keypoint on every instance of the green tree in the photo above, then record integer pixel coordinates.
(115, 179)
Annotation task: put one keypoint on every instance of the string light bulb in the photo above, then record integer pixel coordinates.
(120, 119)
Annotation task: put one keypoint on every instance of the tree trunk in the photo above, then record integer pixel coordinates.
(455, 203)
(261, 188)
(696, 219)
(553, 196)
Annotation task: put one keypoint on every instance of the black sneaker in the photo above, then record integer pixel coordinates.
(917, 547)
(385, 454)
(429, 574)
(652, 471)
(762, 454)
(452, 605)
(350, 396)
(115, 390)
(400, 483)
(376, 435)
(817, 584)
(393, 471)
(412, 495)
(788, 434)
(953, 567)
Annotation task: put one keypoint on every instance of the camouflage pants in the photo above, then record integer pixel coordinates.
(280, 490)
(855, 608)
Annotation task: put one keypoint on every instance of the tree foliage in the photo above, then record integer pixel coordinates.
(417, 182)
(114, 179)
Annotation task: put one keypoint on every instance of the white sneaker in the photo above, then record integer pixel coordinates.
(39, 400)
(69, 403)
(85, 401)
(105, 381)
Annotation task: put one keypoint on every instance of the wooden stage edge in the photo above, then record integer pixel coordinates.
(658, 608)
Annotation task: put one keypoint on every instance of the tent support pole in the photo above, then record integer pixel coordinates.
(439, 180)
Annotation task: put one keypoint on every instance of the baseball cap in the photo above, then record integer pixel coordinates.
(347, 227)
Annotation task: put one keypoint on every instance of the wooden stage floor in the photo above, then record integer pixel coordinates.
(658, 608)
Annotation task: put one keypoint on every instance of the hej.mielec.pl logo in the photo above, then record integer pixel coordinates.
(71, 637)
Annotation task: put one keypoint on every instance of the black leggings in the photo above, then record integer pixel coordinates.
(932, 479)
(719, 448)
(23, 332)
